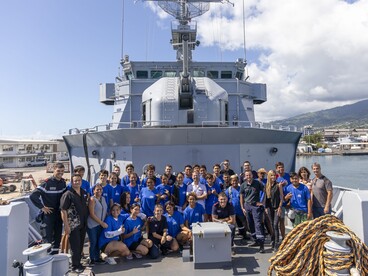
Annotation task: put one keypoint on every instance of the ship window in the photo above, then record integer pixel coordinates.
(212, 74)
(198, 73)
(170, 74)
(142, 74)
(226, 74)
(156, 74)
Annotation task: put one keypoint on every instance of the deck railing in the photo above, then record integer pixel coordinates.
(167, 124)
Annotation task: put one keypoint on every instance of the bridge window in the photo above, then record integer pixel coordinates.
(213, 74)
(156, 74)
(226, 74)
(170, 74)
(198, 73)
(142, 74)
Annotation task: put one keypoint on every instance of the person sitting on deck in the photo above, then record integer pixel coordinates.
(175, 223)
(110, 239)
(133, 237)
(158, 232)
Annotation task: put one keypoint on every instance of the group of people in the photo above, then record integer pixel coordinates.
(116, 212)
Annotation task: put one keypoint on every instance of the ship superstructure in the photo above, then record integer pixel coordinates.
(182, 112)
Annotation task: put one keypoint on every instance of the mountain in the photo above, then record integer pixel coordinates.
(347, 116)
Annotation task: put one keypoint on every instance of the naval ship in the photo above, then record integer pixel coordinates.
(182, 112)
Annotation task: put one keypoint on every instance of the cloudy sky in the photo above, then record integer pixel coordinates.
(312, 54)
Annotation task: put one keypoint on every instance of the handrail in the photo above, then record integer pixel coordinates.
(166, 123)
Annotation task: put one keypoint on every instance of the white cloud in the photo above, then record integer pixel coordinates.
(314, 53)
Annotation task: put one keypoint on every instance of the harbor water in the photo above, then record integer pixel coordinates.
(344, 171)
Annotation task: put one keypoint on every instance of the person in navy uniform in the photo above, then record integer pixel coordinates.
(47, 198)
(252, 208)
(77, 197)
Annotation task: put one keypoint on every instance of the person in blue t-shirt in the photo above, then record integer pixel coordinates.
(125, 203)
(164, 190)
(133, 189)
(213, 189)
(300, 200)
(194, 211)
(133, 237)
(283, 179)
(202, 174)
(176, 227)
(109, 242)
(188, 175)
(179, 193)
(150, 173)
(126, 178)
(149, 196)
(117, 190)
(233, 194)
(107, 191)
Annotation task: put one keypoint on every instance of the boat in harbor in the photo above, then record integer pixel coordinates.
(187, 111)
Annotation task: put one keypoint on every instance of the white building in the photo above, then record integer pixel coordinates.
(19, 153)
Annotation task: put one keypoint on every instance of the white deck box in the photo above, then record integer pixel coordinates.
(211, 244)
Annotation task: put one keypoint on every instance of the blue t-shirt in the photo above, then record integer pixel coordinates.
(193, 215)
(126, 180)
(164, 189)
(144, 182)
(112, 225)
(301, 195)
(211, 198)
(148, 200)
(234, 198)
(85, 186)
(117, 191)
(134, 192)
(182, 194)
(174, 222)
(187, 180)
(129, 225)
(284, 187)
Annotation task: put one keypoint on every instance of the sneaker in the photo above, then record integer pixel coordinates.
(111, 261)
(129, 257)
(254, 244)
(261, 249)
(137, 255)
(91, 263)
(78, 269)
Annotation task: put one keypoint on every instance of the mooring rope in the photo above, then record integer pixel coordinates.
(302, 251)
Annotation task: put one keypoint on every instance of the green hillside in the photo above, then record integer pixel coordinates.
(349, 116)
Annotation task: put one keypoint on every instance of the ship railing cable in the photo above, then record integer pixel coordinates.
(302, 251)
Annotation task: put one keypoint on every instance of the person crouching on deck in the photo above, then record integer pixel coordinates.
(133, 234)
(223, 211)
(158, 232)
(110, 239)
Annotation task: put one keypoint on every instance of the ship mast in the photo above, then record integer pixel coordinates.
(184, 31)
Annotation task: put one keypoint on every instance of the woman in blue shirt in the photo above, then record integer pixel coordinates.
(110, 239)
(133, 233)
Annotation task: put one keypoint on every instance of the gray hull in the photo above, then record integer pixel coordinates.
(182, 146)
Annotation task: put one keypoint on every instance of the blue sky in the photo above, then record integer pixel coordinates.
(54, 54)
